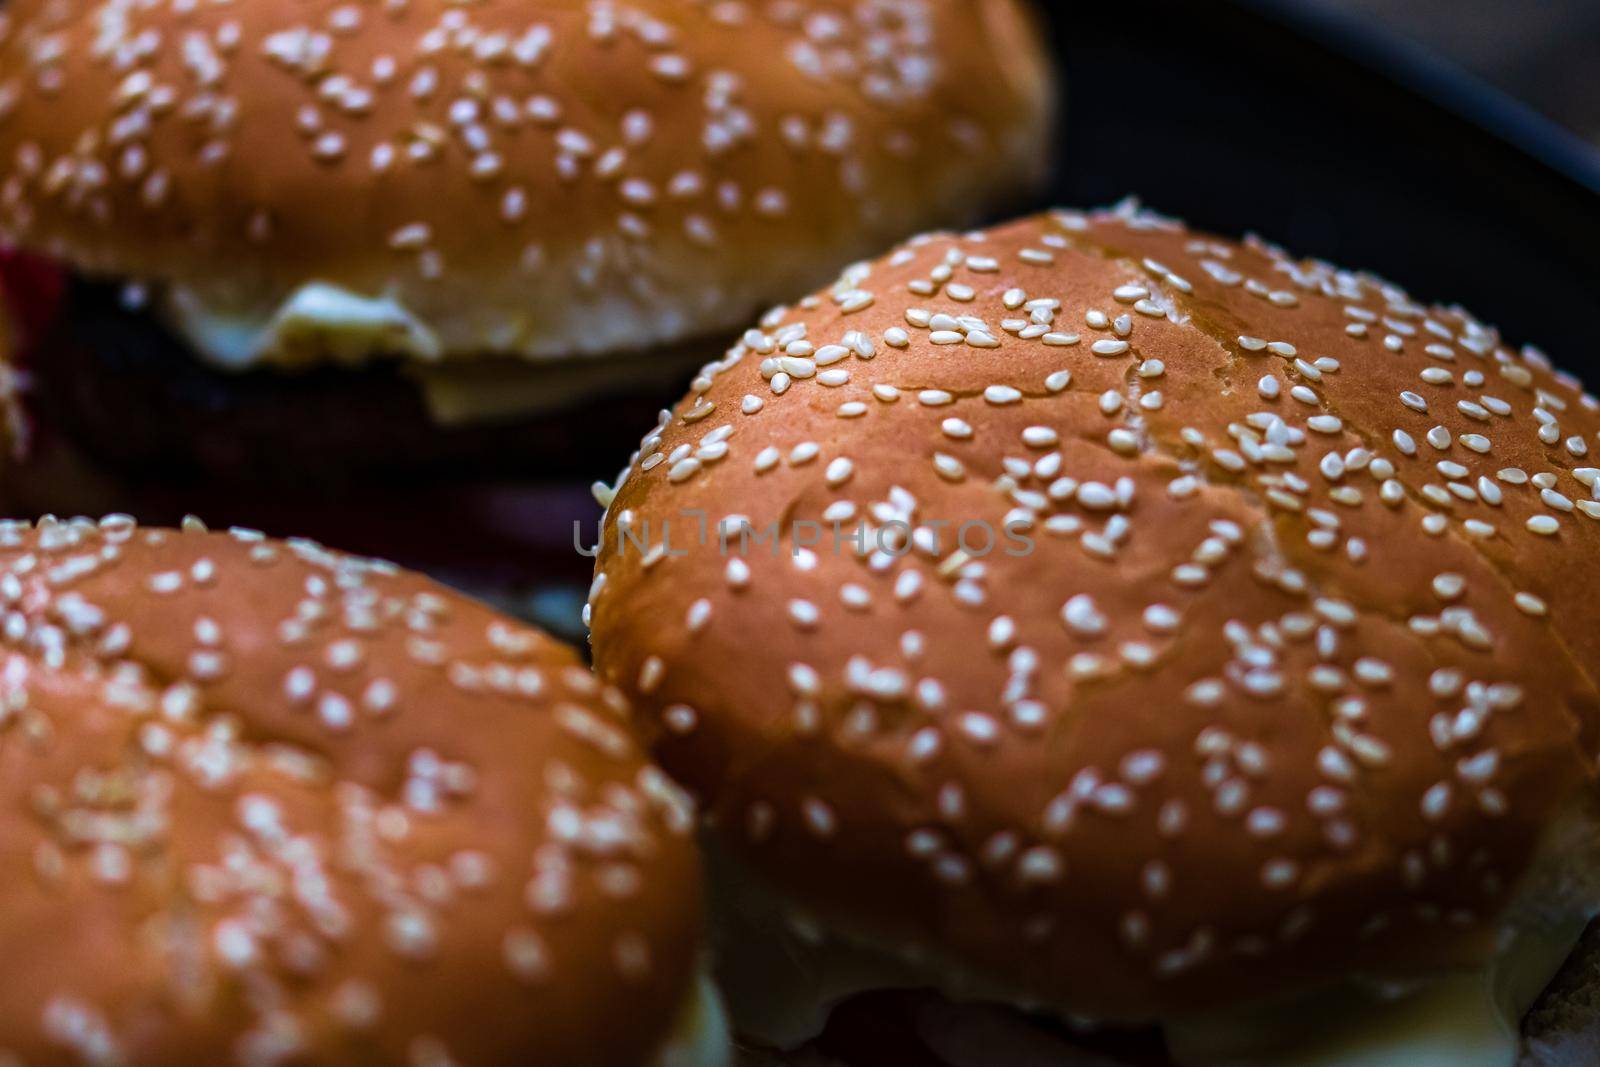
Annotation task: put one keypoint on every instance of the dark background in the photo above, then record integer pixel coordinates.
(1544, 52)
(1342, 129)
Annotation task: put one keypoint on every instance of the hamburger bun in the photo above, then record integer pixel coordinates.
(1256, 655)
(331, 181)
(269, 804)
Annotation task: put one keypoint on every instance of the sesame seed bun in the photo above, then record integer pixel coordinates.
(1292, 681)
(545, 179)
(268, 804)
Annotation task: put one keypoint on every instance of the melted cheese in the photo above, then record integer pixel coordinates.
(317, 321)
(459, 393)
(700, 1037)
(320, 322)
(1468, 1019)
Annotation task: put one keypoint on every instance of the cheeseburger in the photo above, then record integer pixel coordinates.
(346, 242)
(265, 804)
(1136, 628)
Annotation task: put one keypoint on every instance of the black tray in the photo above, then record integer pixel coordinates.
(1315, 130)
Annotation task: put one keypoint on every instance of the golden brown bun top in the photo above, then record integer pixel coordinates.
(538, 176)
(266, 804)
(1296, 671)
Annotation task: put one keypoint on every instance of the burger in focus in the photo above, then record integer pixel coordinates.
(1160, 646)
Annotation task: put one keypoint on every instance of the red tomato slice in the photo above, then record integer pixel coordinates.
(34, 289)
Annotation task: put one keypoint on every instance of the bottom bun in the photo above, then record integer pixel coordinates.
(805, 994)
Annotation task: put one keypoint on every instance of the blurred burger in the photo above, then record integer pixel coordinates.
(341, 244)
(1132, 628)
(266, 804)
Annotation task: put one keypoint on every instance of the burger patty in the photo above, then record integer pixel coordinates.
(122, 417)
(919, 1028)
(131, 393)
